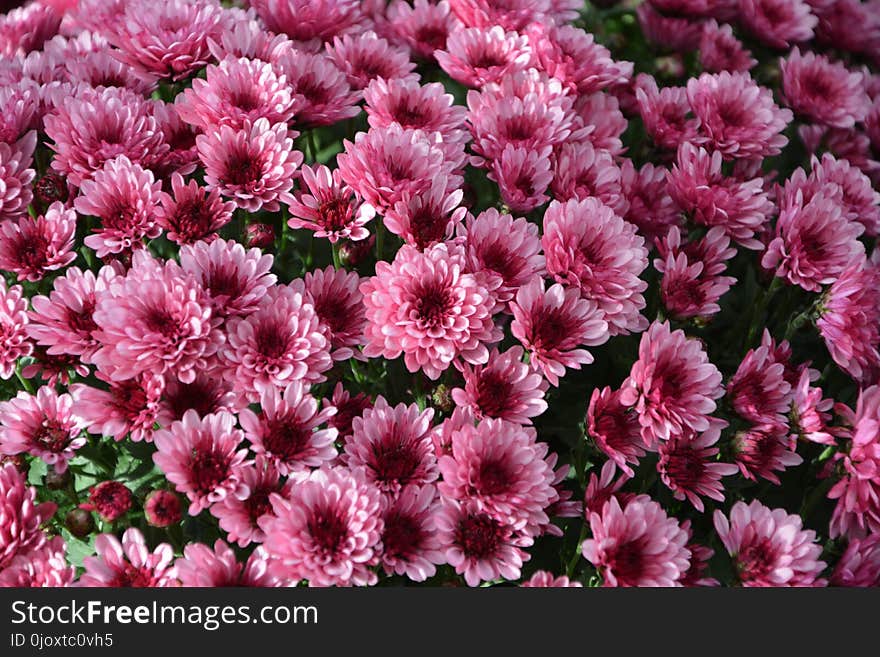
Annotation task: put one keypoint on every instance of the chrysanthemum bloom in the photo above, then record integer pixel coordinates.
(191, 213)
(479, 546)
(425, 307)
(523, 176)
(110, 499)
(282, 341)
(810, 418)
(308, 20)
(238, 516)
(477, 56)
(698, 186)
(94, 126)
(637, 544)
(672, 385)
(235, 92)
(328, 206)
(587, 245)
(154, 319)
(423, 26)
(366, 57)
(170, 40)
(736, 116)
(769, 547)
(392, 447)
(129, 563)
(205, 567)
(554, 324)
(254, 166)
(14, 342)
(162, 508)
(53, 369)
(286, 431)
(615, 429)
(510, 14)
(347, 407)
(123, 196)
(700, 556)
(409, 538)
(200, 456)
(412, 105)
(758, 390)
(720, 9)
(671, 33)
(20, 515)
(16, 177)
(32, 247)
(45, 566)
(814, 243)
(581, 171)
(44, 425)
(498, 467)
(327, 530)
(857, 512)
(822, 91)
(129, 407)
(339, 305)
(505, 388)
(546, 579)
(763, 450)
(321, 93)
(778, 23)
(721, 51)
(207, 393)
(651, 209)
(665, 113)
(835, 26)
(860, 564)
(25, 29)
(428, 217)
(99, 68)
(383, 164)
(688, 468)
(858, 199)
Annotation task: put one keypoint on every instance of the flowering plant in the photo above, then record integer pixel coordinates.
(466, 292)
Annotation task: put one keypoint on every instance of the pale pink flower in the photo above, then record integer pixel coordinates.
(860, 563)
(366, 57)
(598, 119)
(203, 567)
(810, 418)
(477, 56)
(239, 517)
(192, 213)
(16, 176)
(720, 50)
(339, 305)
(412, 105)
(45, 566)
(688, 466)
(20, 516)
(328, 206)
(581, 171)
(409, 537)
(510, 14)
(546, 579)
(665, 113)
(31, 247)
(615, 429)
(309, 20)
(128, 408)
(778, 23)
(523, 176)
(128, 563)
(14, 342)
(321, 93)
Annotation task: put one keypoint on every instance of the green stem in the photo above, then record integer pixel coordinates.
(575, 558)
(312, 144)
(380, 239)
(24, 382)
(334, 250)
(796, 322)
(759, 310)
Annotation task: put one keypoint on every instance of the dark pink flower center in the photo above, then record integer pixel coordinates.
(202, 396)
(432, 306)
(329, 530)
(403, 536)
(395, 461)
(480, 536)
(493, 394)
(208, 469)
(756, 560)
(52, 436)
(285, 438)
(493, 478)
(335, 213)
(133, 577)
(628, 562)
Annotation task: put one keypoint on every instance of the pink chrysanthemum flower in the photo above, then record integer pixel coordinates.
(239, 517)
(392, 447)
(110, 499)
(836, 19)
(498, 467)
(814, 243)
(170, 40)
(412, 105)
(688, 468)
(581, 171)
(339, 305)
(506, 388)
(523, 176)
(26, 29)
(254, 166)
(99, 68)
(14, 343)
(129, 563)
(859, 566)
(477, 56)
(182, 155)
(94, 126)
(778, 23)
(282, 341)
(425, 307)
(236, 92)
(736, 116)
(129, 407)
(763, 450)
(202, 566)
(45, 566)
(603, 487)
(286, 431)
(328, 206)
(509, 14)
(720, 50)
(347, 407)
(651, 209)
(637, 544)
(615, 429)
(200, 456)
(770, 547)
(810, 417)
(123, 196)
(162, 508)
(32, 247)
(823, 91)
(672, 385)
(545, 579)
(665, 113)
(504, 250)
(423, 26)
(191, 213)
(16, 177)
(587, 245)
(382, 165)
(20, 516)
(366, 57)
(327, 530)
(154, 319)
(409, 537)
(554, 324)
(309, 20)
(698, 186)
(45, 425)
(63, 321)
(207, 393)
(321, 93)
(671, 33)
(758, 390)
(852, 189)
(428, 217)
(21, 103)
(480, 547)
(598, 119)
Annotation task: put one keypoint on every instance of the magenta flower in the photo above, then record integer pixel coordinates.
(778, 23)
(207, 393)
(339, 305)
(347, 407)
(688, 468)
(523, 176)
(651, 208)
(810, 418)
(162, 508)
(758, 391)
(110, 499)
(328, 206)
(546, 579)
(20, 516)
(763, 450)
(615, 429)
(428, 217)
(477, 56)
(410, 545)
(860, 563)
(853, 190)
(321, 93)
(129, 563)
(14, 341)
(418, 107)
(581, 171)
(770, 547)
(678, 34)
(191, 213)
(203, 567)
(40, 567)
(721, 51)
(510, 14)
(423, 26)
(32, 247)
(308, 20)
(129, 407)
(16, 176)
(665, 113)
(366, 57)
(239, 517)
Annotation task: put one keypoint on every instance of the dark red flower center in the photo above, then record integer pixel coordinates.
(403, 536)
(480, 536)
(285, 438)
(208, 469)
(328, 530)
(52, 436)
(493, 394)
